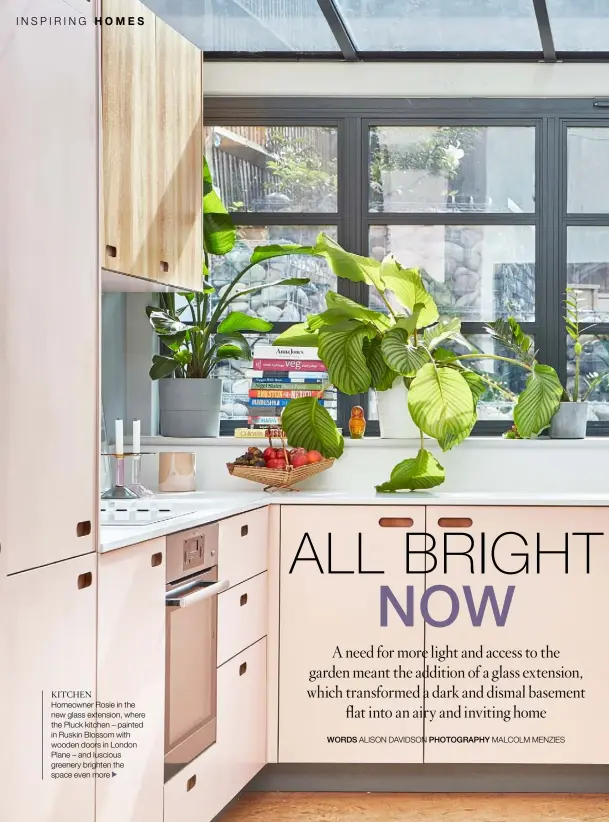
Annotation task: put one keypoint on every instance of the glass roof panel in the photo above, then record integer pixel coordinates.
(249, 25)
(442, 25)
(580, 25)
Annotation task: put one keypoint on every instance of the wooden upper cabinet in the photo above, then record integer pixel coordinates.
(180, 147)
(129, 143)
(152, 149)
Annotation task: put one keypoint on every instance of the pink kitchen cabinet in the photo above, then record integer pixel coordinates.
(51, 614)
(563, 612)
(242, 616)
(131, 668)
(49, 420)
(325, 616)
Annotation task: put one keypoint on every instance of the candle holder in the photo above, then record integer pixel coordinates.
(135, 485)
(119, 490)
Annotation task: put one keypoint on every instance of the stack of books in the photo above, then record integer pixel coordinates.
(282, 373)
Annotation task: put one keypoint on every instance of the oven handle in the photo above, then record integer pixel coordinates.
(195, 592)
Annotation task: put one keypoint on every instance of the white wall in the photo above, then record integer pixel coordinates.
(397, 79)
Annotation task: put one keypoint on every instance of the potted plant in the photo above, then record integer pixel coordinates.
(189, 394)
(571, 419)
(363, 348)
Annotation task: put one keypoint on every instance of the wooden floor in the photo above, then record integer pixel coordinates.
(382, 807)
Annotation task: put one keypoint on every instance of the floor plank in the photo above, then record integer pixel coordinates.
(383, 807)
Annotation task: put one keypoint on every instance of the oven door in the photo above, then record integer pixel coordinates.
(190, 675)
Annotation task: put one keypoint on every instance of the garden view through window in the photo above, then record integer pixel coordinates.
(460, 201)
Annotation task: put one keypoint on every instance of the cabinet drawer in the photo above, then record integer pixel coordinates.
(242, 616)
(195, 793)
(243, 546)
(242, 718)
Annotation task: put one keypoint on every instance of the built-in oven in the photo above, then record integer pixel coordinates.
(191, 591)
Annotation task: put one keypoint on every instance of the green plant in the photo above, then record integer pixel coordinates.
(572, 322)
(364, 349)
(196, 347)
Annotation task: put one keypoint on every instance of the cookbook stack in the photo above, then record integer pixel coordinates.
(282, 373)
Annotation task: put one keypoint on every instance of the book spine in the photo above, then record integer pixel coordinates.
(283, 352)
(256, 404)
(283, 382)
(288, 365)
(287, 376)
(263, 420)
(281, 394)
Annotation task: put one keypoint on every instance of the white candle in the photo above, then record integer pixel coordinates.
(118, 437)
(136, 436)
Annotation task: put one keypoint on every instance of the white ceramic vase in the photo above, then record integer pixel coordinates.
(395, 421)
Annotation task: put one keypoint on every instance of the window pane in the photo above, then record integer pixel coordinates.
(588, 159)
(595, 360)
(477, 273)
(237, 382)
(588, 269)
(448, 169)
(274, 168)
(248, 25)
(496, 403)
(442, 25)
(579, 25)
(279, 303)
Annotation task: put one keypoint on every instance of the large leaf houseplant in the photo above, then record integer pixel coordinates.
(203, 332)
(364, 349)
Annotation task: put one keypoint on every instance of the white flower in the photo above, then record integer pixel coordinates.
(454, 154)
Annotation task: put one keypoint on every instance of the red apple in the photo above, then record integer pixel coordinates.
(269, 454)
(299, 459)
(276, 463)
(314, 456)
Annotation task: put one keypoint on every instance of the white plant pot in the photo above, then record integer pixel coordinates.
(395, 421)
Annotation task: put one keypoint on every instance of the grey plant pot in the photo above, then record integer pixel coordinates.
(569, 422)
(190, 408)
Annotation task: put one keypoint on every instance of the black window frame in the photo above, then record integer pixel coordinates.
(352, 117)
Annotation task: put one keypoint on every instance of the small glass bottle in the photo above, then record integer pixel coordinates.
(357, 423)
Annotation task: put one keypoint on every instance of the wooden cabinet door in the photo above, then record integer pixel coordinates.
(484, 698)
(129, 143)
(180, 152)
(49, 428)
(51, 649)
(131, 667)
(242, 719)
(328, 617)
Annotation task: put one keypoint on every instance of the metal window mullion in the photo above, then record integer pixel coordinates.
(339, 28)
(281, 218)
(349, 173)
(448, 218)
(545, 30)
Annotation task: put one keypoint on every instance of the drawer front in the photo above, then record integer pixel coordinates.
(242, 617)
(242, 718)
(196, 793)
(243, 546)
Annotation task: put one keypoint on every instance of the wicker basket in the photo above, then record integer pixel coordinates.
(275, 478)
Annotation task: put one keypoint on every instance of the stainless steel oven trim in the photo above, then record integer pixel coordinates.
(194, 591)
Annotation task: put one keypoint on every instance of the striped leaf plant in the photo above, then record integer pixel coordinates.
(363, 348)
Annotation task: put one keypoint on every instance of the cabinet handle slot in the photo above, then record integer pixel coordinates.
(244, 530)
(191, 782)
(455, 522)
(243, 599)
(164, 266)
(396, 522)
(242, 668)
(156, 560)
(111, 250)
(85, 580)
(83, 529)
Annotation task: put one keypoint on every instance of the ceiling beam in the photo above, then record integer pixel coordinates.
(545, 30)
(339, 28)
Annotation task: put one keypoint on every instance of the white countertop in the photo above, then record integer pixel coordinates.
(208, 507)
